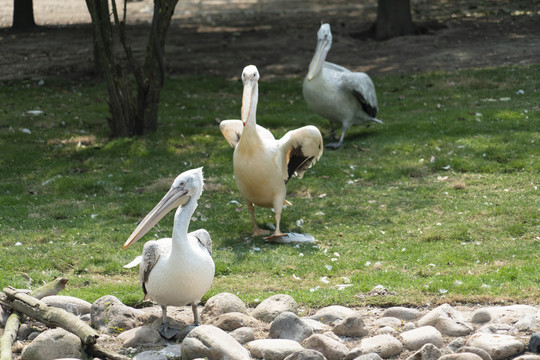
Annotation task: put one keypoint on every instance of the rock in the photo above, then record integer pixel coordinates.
(497, 346)
(110, 315)
(426, 352)
(447, 320)
(169, 352)
(402, 313)
(222, 303)
(409, 326)
(527, 357)
(498, 328)
(330, 348)
(387, 330)
(234, 320)
(456, 344)
(149, 355)
(388, 321)
(510, 314)
(270, 308)
(384, 345)
(481, 316)
(416, 338)
(370, 356)
(273, 349)
(306, 354)
(534, 343)
(4, 314)
(316, 326)
(17, 347)
(210, 342)
(332, 313)
(54, 344)
(172, 351)
(526, 323)
(243, 335)
(139, 336)
(24, 331)
(69, 303)
(460, 356)
(288, 325)
(480, 352)
(351, 326)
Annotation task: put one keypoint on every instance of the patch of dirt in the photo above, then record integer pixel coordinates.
(220, 37)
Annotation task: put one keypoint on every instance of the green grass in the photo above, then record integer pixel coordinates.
(440, 203)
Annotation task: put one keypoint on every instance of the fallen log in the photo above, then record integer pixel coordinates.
(10, 334)
(50, 316)
(14, 320)
(30, 305)
(52, 288)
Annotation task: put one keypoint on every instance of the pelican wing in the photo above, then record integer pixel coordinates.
(150, 256)
(361, 86)
(300, 148)
(134, 262)
(336, 67)
(232, 130)
(203, 238)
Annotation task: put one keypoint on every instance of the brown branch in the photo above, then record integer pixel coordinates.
(10, 334)
(52, 288)
(50, 316)
(14, 320)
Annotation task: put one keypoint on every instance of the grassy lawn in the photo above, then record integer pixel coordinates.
(441, 203)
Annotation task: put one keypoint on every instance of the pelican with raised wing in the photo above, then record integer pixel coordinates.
(175, 271)
(263, 165)
(336, 93)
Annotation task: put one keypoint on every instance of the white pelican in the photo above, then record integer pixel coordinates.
(176, 271)
(262, 164)
(336, 93)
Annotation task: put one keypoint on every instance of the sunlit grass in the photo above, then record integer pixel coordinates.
(438, 204)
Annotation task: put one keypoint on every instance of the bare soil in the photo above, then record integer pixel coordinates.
(220, 37)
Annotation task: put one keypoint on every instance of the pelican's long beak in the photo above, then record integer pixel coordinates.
(249, 87)
(174, 198)
(318, 59)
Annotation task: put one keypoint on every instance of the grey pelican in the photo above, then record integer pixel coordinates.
(175, 271)
(336, 93)
(262, 164)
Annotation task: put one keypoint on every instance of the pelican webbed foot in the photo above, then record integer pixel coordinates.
(275, 236)
(334, 145)
(168, 331)
(257, 231)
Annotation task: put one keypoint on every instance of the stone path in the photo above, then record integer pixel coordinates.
(277, 329)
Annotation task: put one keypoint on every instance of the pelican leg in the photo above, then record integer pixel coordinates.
(332, 131)
(166, 330)
(256, 229)
(277, 233)
(196, 319)
(336, 145)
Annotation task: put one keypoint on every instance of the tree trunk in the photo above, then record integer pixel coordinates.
(393, 19)
(133, 95)
(23, 15)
